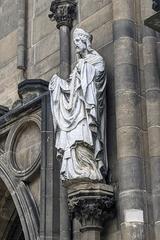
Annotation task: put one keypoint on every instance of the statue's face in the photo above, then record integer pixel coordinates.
(79, 45)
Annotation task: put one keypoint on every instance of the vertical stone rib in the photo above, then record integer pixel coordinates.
(21, 36)
(128, 116)
(49, 207)
(152, 87)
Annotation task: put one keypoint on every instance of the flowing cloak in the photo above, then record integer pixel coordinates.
(78, 112)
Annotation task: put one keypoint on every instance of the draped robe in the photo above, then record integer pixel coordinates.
(78, 111)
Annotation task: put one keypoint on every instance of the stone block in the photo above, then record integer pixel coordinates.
(9, 76)
(156, 208)
(128, 108)
(124, 28)
(126, 77)
(151, 74)
(133, 199)
(89, 7)
(45, 65)
(41, 5)
(124, 9)
(125, 51)
(129, 140)
(8, 48)
(8, 17)
(132, 171)
(46, 46)
(102, 35)
(97, 19)
(42, 26)
(154, 140)
(132, 231)
(149, 50)
(155, 170)
(153, 107)
(47, 76)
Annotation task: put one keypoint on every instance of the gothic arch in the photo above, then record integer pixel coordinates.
(24, 203)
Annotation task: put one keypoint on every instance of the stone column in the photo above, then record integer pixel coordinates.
(152, 87)
(63, 11)
(91, 203)
(128, 117)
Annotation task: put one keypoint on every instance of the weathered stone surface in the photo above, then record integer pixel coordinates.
(89, 7)
(35, 189)
(41, 5)
(27, 148)
(9, 79)
(8, 48)
(47, 46)
(42, 26)
(132, 231)
(131, 170)
(154, 140)
(126, 75)
(102, 35)
(151, 75)
(153, 106)
(125, 51)
(129, 140)
(97, 19)
(149, 49)
(8, 17)
(132, 200)
(48, 64)
(128, 109)
(127, 12)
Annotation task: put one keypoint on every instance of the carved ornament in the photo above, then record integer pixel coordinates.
(63, 12)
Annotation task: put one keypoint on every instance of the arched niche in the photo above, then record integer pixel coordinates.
(24, 208)
(10, 226)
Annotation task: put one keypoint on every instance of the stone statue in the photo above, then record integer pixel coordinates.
(78, 114)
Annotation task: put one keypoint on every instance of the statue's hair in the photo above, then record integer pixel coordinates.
(84, 36)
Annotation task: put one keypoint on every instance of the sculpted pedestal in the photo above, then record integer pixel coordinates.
(91, 203)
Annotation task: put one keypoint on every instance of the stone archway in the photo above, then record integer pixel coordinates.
(24, 212)
(10, 227)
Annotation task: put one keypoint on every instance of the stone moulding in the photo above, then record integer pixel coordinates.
(24, 203)
(31, 88)
(11, 143)
(3, 110)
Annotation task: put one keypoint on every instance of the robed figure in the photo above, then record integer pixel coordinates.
(78, 114)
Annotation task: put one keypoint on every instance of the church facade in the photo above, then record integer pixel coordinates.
(36, 43)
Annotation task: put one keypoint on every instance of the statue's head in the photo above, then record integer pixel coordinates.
(82, 40)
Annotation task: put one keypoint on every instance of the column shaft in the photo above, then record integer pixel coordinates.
(152, 87)
(128, 115)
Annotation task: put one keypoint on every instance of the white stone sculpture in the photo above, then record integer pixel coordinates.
(78, 113)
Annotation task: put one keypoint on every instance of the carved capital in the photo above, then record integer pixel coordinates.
(91, 205)
(92, 212)
(63, 12)
(156, 5)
